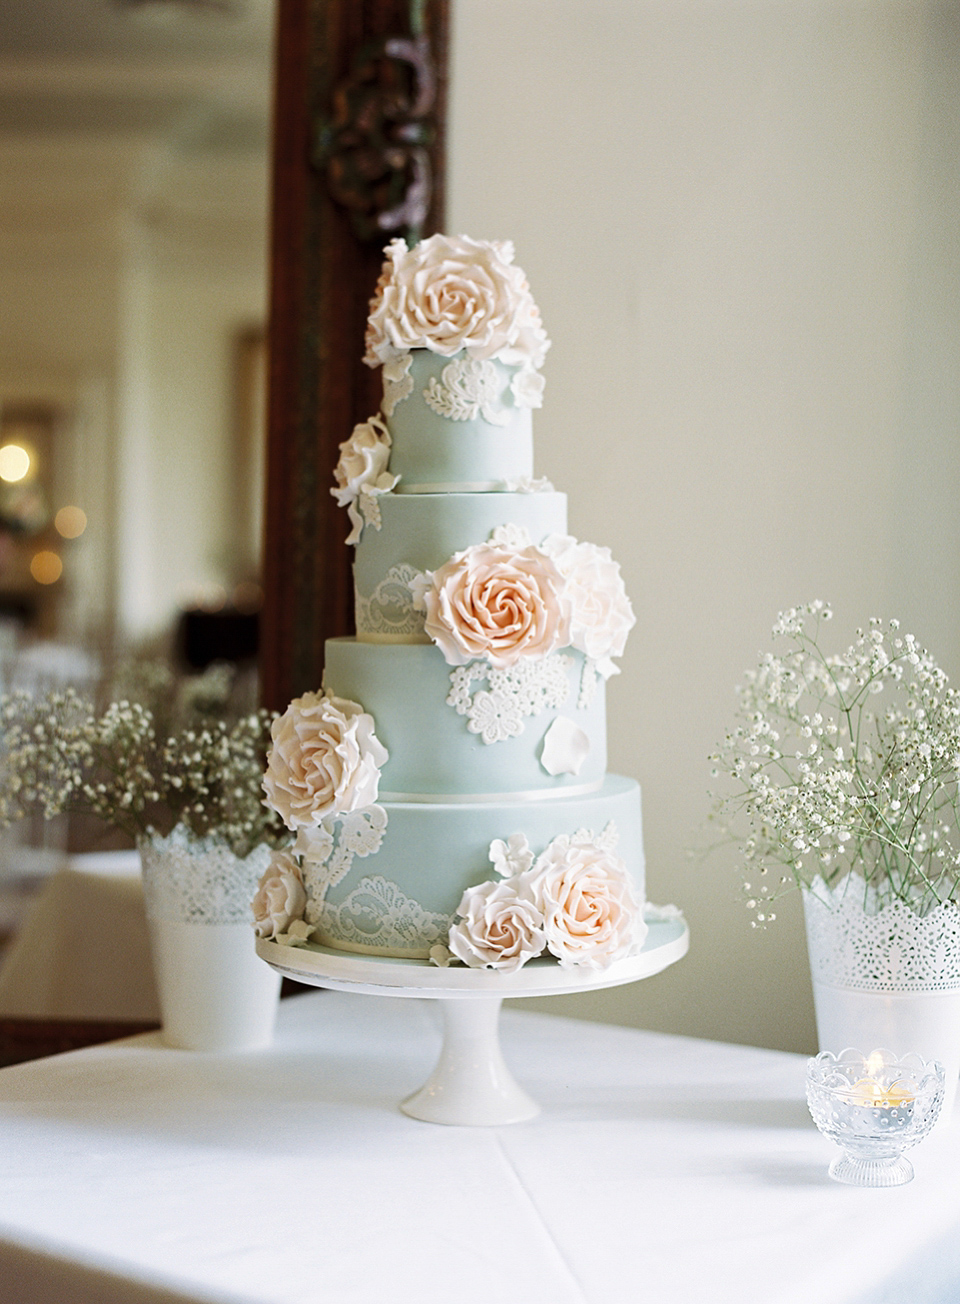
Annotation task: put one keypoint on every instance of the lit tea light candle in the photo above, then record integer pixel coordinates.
(872, 1092)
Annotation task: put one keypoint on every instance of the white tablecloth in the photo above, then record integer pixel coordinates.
(662, 1169)
(83, 951)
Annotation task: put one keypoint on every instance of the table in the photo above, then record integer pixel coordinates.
(83, 951)
(662, 1169)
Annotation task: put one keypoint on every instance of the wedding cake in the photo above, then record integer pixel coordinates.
(447, 788)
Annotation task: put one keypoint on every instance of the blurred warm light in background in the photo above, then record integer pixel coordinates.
(14, 463)
(46, 567)
(70, 522)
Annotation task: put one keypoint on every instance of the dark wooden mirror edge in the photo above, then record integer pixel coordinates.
(358, 157)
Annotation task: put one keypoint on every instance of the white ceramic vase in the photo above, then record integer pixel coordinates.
(885, 977)
(216, 994)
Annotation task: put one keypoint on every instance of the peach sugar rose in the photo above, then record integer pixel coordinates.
(324, 759)
(449, 293)
(495, 602)
(590, 910)
(498, 927)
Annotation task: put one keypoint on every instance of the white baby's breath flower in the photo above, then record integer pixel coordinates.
(880, 795)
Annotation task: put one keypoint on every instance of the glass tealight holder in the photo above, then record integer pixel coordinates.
(874, 1106)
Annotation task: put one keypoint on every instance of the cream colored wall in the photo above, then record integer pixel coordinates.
(740, 222)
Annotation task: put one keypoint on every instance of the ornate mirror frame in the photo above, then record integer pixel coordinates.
(358, 158)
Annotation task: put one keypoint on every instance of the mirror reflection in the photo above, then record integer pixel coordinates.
(133, 201)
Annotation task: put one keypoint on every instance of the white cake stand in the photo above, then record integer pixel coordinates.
(471, 1084)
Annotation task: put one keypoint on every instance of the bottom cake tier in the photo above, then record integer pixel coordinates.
(393, 875)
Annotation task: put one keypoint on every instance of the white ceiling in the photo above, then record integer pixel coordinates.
(127, 31)
(107, 114)
(179, 69)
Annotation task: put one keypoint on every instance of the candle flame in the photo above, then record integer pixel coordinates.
(874, 1064)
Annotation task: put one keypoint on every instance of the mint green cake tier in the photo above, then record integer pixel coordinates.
(433, 454)
(420, 532)
(400, 900)
(432, 753)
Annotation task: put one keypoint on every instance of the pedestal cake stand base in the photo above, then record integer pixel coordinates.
(471, 1084)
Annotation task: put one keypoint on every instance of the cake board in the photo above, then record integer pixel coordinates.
(471, 1084)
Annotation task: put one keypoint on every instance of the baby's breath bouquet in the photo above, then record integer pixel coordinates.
(844, 764)
(159, 754)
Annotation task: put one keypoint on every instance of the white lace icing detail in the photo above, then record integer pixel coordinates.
(607, 840)
(377, 914)
(511, 536)
(588, 684)
(389, 611)
(359, 833)
(199, 881)
(858, 942)
(526, 484)
(527, 688)
(666, 914)
(397, 383)
(369, 507)
(467, 388)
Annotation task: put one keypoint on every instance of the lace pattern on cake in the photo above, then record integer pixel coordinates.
(588, 684)
(397, 383)
(341, 839)
(526, 689)
(377, 914)
(857, 941)
(389, 612)
(199, 881)
(467, 388)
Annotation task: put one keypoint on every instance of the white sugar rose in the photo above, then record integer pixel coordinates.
(449, 293)
(497, 603)
(280, 899)
(500, 928)
(589, 906)
(362, 474)
(324, 760)
(601, 616)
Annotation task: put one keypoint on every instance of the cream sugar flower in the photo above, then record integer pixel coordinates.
(601, 616)
(449, 293)
(499, 927)
(576, 900)
(362, 474)
(280, 898)
(497, 603)
(591, 913)
(325, 759)
(511, 857)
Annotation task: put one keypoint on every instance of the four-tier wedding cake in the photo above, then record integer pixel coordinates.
(448, 787)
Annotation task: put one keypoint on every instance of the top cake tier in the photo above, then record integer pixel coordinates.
(454, 326)
(459, 427)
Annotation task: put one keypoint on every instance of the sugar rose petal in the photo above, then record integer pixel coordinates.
(324, 759)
